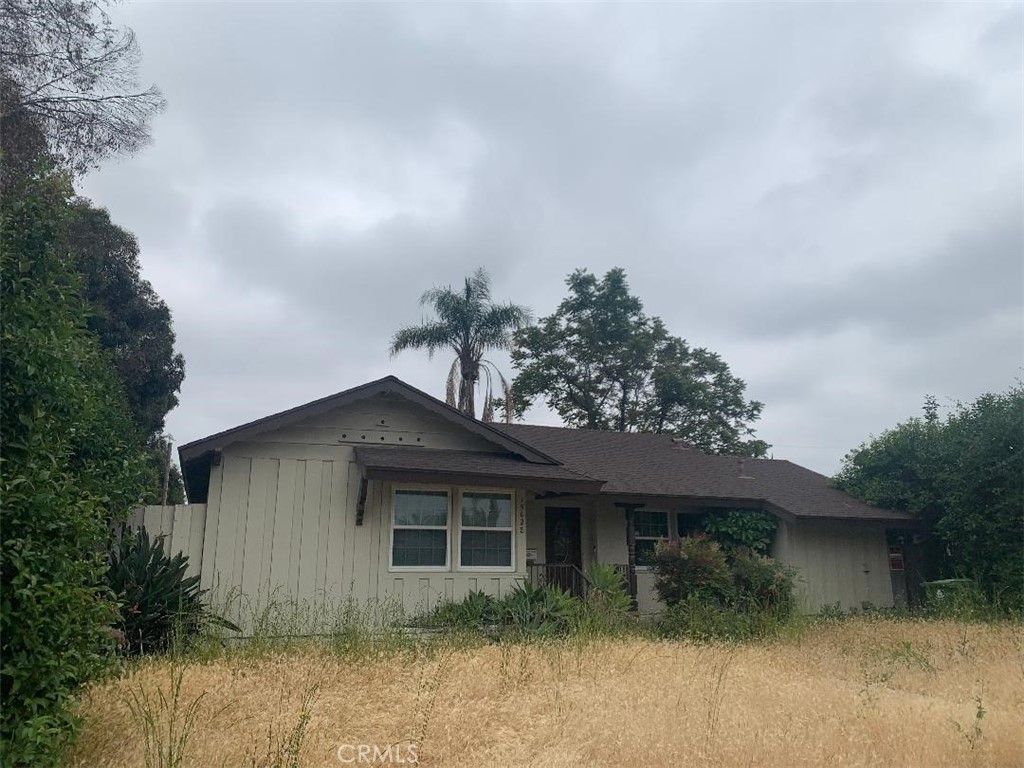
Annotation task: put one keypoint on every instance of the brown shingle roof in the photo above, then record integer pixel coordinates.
(638, 464)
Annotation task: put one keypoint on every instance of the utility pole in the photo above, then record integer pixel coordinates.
(167, 468)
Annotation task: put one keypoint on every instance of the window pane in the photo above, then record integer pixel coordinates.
(651, 522)
(487, 510)
(487, 548)
(421, 508)
(419, 547)
(645, 551)
(689, 524)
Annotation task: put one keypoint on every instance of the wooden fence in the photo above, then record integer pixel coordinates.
(181, 525)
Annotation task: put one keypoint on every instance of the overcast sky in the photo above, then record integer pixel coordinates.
(830, 196)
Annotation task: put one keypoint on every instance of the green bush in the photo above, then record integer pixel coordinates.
(760, 583)
(69, 467)
(159, 604)
(708, 595)
(534, 610)
(526, 609)
(477, 610)
(696, 619)
(694, 566)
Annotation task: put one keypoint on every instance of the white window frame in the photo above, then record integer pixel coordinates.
(669, 515)
(457, 543)
(448, 529)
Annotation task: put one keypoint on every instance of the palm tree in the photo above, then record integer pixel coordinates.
(468, 323)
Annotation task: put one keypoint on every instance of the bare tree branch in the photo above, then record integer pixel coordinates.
(71, 74)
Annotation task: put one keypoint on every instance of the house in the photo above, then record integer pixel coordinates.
(384, 491)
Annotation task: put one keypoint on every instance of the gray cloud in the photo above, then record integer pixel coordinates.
(830, 196)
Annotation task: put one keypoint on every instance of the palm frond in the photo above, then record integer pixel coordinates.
(497, 325)
(454, 374)
(488, 414)
(431, 336)
(507, 390)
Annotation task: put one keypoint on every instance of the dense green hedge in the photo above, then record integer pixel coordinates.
(69, 467)
(711, 592)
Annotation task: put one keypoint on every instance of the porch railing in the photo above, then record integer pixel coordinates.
(565, 576)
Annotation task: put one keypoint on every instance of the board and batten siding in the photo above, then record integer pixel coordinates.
(182, 527)
(281, 515)
(840, 561)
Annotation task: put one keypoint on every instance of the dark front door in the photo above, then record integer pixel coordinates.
(562, 545)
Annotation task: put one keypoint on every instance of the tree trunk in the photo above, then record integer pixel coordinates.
(467, 399)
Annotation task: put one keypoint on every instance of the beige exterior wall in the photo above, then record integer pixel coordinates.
(281, 516)
(837, 561)
(281, 521)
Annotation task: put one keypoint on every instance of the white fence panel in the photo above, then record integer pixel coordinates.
(181, 525)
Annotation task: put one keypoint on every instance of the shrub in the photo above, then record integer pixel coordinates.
(158, 602)
(760, 583)
(696, 619)
(709, 595)
(694, 566)
(534, 610)
(69, 466)
(478, 609)
(528, 609)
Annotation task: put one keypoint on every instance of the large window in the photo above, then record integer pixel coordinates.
(486, 530)
(649, 525)
(420, 530)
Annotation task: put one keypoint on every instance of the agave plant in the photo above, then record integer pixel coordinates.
(539, 610)
(608, 589)
(158, 601)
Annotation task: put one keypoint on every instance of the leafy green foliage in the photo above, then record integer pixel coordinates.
(534, 610)
(693, 566)
(709, 595)
(133, 324)
(69, 466)
(742, 529)
(762, 584)
(158, 602)
(608, 591)
(695, 619)
(478, 609)
(469, 323)
(127, 316)
(601, 363)
(964, 477)
(525, 609)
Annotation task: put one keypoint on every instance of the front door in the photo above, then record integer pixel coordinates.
(562, 544)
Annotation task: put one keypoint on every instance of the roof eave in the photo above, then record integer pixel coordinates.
(483, 479)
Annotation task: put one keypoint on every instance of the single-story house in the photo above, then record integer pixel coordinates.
(383, 491)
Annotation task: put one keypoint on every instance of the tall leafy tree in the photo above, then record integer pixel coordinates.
(70, 465)
(601, 363)
(468, 324)
(128, 317)
(963, 476)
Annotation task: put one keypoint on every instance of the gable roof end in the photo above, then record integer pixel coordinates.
(196, 457)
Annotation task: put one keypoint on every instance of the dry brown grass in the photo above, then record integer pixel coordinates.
(864, 692)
